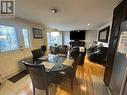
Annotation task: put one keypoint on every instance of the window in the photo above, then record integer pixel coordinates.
(8, 39)
(26, 38)
(54, 38)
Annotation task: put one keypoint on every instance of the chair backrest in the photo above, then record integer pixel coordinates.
(37, 74)
(76, 63)
(54, 50)
(37, 53)
(75, 52)
(65, 48)
(43, 47)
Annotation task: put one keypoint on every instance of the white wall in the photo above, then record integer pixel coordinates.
(91, 35)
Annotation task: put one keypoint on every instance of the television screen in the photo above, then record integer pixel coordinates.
(77, 35)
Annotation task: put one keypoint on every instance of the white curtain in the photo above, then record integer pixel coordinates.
(26, 38)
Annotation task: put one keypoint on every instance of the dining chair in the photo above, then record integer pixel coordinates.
(54, 50)
(71, 72)
(43, 48)
(75, 52)
(40, 78)
(37, 53)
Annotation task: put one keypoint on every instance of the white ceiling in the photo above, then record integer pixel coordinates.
(72, 14)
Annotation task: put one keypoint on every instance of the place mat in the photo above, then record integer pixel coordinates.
(48, 65)
(43, 58)
(18, 76)
(68, 62)
(59, 67)
(61, 55)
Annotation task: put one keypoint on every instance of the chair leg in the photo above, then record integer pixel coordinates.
(72, 84)
(47, 92)
(33, 91)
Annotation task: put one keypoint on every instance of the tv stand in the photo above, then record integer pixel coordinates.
(77, 43)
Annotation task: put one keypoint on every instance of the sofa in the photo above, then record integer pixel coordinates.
(62, 49)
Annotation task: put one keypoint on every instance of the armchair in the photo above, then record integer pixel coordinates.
(97, 54)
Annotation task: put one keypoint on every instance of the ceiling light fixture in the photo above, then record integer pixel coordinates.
(54, 11)
(88, 24)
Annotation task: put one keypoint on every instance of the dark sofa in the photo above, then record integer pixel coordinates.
(62, 49)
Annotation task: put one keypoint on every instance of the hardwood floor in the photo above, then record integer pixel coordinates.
(83, 83)
(95, 69)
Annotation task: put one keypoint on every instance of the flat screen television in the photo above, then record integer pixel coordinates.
(77, 35)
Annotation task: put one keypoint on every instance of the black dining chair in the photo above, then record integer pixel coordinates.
(43, 48)
(71, 72)
(40, 78)
(75, 52)
(54, 50)
(37, 53)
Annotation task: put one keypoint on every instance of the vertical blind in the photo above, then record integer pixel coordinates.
(8, 39)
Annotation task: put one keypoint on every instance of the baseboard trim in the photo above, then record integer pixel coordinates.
(4, 79)
(109, 91)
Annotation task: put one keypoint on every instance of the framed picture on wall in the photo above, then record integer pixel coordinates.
(103, 34)
(37, 33)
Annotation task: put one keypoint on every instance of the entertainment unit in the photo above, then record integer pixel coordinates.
(77, 43)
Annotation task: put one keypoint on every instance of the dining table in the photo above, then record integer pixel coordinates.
(54, 63)
(57, 63)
